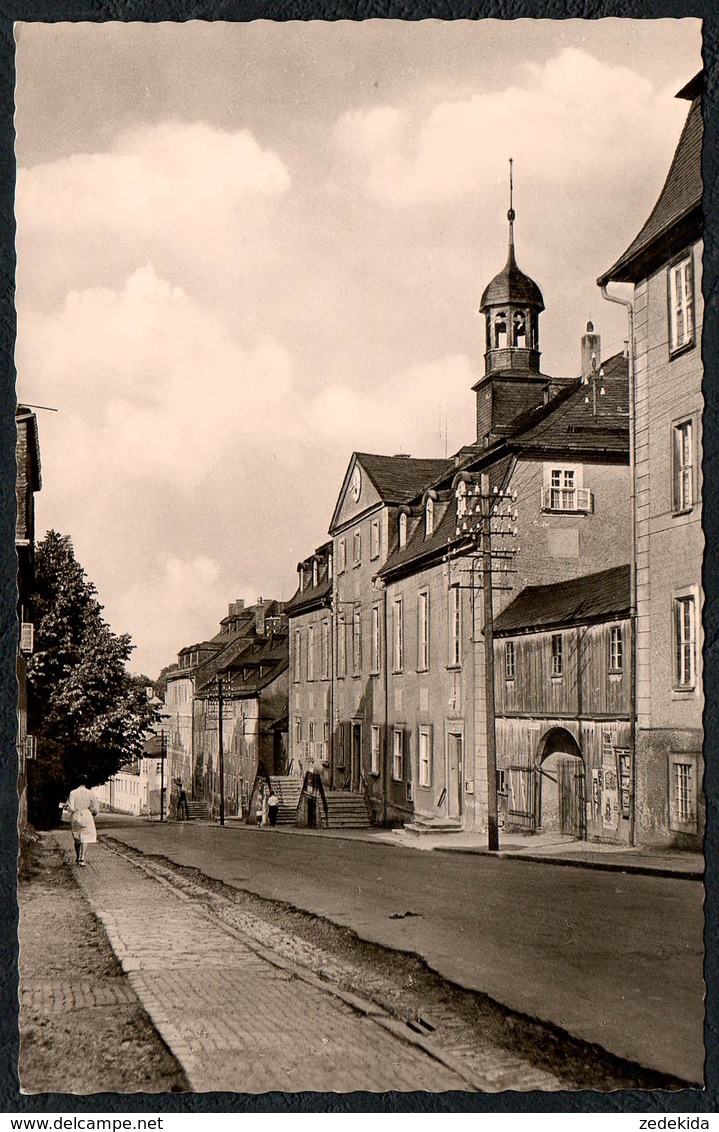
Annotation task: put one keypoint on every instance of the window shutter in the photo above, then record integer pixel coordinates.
(27, 637)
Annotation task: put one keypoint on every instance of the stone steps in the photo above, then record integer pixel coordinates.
(346, 810)
(288, 789)
(198, 811)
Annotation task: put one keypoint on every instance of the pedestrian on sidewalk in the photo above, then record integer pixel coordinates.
(273, 805)
(183, 810)
(83, 808)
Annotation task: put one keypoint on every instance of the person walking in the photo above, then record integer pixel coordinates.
(183, 810)
(273, 806)
(83, 808)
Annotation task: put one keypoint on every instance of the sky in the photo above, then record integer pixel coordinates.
(247, 250)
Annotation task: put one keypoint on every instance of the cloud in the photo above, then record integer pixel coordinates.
(573, 119)
(165, 175)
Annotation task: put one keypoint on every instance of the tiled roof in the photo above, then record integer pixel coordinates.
(269, 653)
(679, 200)
(511, 285)
(401, 477)
(311, 597)
(569, 423)
(594, 597)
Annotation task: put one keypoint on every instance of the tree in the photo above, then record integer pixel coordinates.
(88, 713)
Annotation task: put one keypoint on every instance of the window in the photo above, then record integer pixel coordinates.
(311, 731)
(685, 635)
(683, 467)
(374, 750)
(357, 547)
(616, 649)
(423, 632)
(315, 572)
(310, 652)
(681, 304)
(425, 756)
(428, 517)
(397, 636)
(455, 626)
(562, 491)
(397, 753)
(357, 643)
(519, 329)
(509, 661)
(325, 650)
(557, 655)
(500, 330)
(341, 556)
(341, 646)
(298, 657)
(298, 729)
(402, 530)
(461, 499)
(375, 645)
(374, 539)
(683, 792)
(326, 732)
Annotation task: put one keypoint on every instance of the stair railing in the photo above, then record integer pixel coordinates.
(312, 785)
(261, 776)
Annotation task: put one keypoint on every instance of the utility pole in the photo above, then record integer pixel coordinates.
(222, 751)
(490, 718)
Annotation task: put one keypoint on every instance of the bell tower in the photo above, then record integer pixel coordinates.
(511, 305)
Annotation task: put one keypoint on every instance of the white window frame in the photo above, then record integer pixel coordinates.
(683, 463)
(423, 631)
(429, 517)
(685, 642)
(297, 668)
(397, 754)
(374, 539)
(683, 770)
(402, 530)
(424, 755)
(510, 660)
(310, 652)
(680, 293)
(357, 643)
(375, 645)
(375, 740)
(397, 635)
(357, 547)
(616, 649)
(454, 627)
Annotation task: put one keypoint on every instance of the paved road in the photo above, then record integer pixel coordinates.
(613, 959)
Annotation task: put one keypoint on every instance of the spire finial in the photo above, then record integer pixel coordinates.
(511, 214)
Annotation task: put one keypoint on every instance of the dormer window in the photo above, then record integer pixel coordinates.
(500, 330)
(315, 567)
(428, 518)
(402, 530)
(461, 499)
(302, 580)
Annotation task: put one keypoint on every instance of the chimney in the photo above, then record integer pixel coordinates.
(260, 611)
(591, 352)
(236, 607)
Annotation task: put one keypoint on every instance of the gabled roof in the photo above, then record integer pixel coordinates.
(398, 478)
(594, 597)
(258, 665)
(676, 217)
(312, 597)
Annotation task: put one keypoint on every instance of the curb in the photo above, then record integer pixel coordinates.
(578, 863)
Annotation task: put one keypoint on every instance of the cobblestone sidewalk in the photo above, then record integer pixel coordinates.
(238, 1020)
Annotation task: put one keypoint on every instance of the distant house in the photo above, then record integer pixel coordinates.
(311, 646)
(28, 482)
(664, 262)
(563, 706)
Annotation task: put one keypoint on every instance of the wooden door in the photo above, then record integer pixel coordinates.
(454, 775)
(571, 797)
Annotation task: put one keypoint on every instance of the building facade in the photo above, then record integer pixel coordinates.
(28, 482)
(664, 263)
(310, 614)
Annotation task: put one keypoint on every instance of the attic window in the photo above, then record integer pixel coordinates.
(314, 571)
(429, 518)
(402, 530)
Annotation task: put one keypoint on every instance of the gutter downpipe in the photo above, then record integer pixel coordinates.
(386, 753)
(633, 555)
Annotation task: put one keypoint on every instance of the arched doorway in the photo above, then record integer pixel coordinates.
(562, 793)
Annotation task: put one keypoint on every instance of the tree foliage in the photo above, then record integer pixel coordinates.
(89, 714)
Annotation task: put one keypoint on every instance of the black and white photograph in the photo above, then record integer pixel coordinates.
(359, 541)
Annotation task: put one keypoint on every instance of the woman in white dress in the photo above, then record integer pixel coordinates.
(83, 806)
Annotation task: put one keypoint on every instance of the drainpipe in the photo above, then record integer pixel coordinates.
(633, 556)
(386, 754)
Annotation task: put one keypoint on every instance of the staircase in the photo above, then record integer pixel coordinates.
(346, 810)
(198, 811)
(288, 789)
(423, 825)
